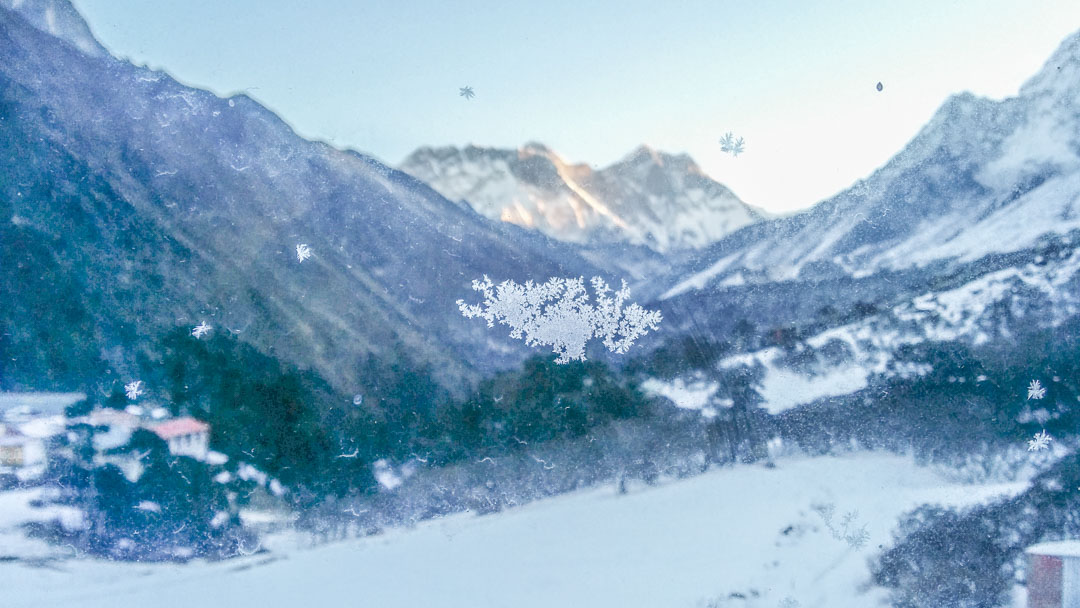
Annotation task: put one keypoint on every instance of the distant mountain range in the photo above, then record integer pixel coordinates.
(662, 201)
(131, 204)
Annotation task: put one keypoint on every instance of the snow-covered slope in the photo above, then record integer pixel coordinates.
(650, 198)
(993, 306)
(746, 530)
(981, 177)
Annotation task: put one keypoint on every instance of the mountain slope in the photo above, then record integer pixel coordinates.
(139, 204)
(58, 18)
(662, 201)
(982, 177)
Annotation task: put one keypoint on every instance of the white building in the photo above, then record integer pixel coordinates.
(185, 436)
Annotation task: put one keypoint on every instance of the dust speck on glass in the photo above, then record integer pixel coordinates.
(728, 306)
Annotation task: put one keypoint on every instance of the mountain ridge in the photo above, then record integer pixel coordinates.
(981, 177)
(651, 198)
(156, 204)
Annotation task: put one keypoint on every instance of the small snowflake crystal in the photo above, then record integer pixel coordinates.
(466, 92)
(303, 252)
(1036, 390)
(1040, 442)
(133, 389)
(732, 145)
(201, 329)
(558, 314)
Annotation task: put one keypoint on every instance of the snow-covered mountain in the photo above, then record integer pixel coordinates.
(650, 198)
(971, 234)
(59, 19)
(131, 205)
(1037, 289)
(982, 177)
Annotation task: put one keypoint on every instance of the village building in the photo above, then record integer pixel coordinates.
(22, 458)
(27, 422)
(185, 436)
(30, 420)
(17, 408)
(1053, 575)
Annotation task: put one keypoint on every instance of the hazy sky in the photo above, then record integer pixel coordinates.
(593, 80)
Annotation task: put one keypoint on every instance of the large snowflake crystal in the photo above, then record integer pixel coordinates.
(201, 330)
(1040, 442)
(1036, 390)
(558, 313)
(303, 252)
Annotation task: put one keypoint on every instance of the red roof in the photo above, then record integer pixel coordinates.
(179, 427)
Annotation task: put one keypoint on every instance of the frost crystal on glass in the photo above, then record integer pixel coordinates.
(1040, 442)
(848, 530)
(201, 330)
(731, 145)
(1036, 390)
(133, 389)
(558, 314)
(303, 252)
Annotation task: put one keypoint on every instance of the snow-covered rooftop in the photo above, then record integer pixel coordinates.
(179, 427)
(1061, 548)
(50, 403)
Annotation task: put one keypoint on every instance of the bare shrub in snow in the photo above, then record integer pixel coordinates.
(848, 530)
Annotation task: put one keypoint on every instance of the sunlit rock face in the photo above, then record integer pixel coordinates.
(662, 201)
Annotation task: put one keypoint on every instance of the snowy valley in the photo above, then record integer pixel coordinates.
(744, 536)
(243, 367)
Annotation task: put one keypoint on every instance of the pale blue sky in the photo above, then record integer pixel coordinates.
(594, 79)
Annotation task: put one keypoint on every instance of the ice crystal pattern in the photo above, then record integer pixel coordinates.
(732, 145)
(466, 92)
(133, 389)
(201, 330)
(847, 530)
(1036, 390)
(558, 313)
(303, 252)
(1040, 442)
